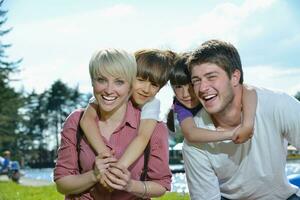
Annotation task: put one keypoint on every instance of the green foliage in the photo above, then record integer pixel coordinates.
(13, 191)
(61, 101)
(10, 100)
(43, 117)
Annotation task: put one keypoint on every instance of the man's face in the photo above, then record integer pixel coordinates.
(213, 87)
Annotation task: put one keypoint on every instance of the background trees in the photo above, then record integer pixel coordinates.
(10, 100)
(30, 121)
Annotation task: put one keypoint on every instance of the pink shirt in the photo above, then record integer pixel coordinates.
(158, 166)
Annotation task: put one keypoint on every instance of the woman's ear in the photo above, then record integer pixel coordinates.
(235, 77)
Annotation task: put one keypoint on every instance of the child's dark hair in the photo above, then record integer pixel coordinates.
(155, 65)
(179, 74)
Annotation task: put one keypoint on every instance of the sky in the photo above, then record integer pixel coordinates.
(56, 38)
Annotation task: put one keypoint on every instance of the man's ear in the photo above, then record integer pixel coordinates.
(235, 77)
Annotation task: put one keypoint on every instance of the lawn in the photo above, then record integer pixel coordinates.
(13, 191)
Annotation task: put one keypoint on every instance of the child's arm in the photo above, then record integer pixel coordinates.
(249, 102)
(149, 118)
(91, 130)
(194, 134)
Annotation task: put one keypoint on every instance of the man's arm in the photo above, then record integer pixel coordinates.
(201, 178)
(287, 116)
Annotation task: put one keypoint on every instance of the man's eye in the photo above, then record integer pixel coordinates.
(195, 81)
(178, 86)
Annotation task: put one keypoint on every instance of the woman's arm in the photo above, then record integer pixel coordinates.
(91, 130)
(75, 184)
(119, 178)
(249, 102)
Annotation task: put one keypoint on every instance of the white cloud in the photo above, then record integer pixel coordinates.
(118, 11)
(226, 21)
(277, 78)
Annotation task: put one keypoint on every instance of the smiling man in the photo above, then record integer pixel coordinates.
(256, 168)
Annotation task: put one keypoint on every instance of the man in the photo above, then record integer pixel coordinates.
(256, 168)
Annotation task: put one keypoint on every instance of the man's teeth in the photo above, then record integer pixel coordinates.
(109, 98)
(209, 97)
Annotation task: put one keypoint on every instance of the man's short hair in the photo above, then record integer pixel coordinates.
(218, 52)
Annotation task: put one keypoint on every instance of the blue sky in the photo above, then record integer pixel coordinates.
(57, 37)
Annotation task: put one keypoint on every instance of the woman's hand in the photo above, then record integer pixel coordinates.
(102, 163)
(118, 177)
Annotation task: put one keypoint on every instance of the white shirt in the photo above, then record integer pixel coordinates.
(151, 110)
(252, 170)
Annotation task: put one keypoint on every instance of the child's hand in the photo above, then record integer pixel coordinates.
(242, 134)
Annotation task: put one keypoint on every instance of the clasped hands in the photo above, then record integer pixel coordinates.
(111, 174)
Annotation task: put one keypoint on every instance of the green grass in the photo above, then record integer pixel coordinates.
(13, 191)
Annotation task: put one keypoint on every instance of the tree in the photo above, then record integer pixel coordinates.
(10, 100)
(61, 100)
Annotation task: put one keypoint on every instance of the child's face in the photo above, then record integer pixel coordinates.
(143, 91)
(186, 95)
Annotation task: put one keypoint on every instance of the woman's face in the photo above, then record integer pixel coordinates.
(111, 92)
(186, 95)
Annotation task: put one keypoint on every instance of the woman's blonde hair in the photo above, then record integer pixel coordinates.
(113, 62)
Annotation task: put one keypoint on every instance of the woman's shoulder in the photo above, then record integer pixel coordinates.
(73, 118)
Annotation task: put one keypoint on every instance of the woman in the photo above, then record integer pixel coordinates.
(112, 73)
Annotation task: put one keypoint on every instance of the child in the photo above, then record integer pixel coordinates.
(153, 67)
(186, 105)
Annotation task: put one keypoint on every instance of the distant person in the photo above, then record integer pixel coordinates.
(251, 170)
(78, 170)
(5, 162)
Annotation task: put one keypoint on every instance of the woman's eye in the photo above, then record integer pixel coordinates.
(100, 80)
(178, 86)
(119, 82)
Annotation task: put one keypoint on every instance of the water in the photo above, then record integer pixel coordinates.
(39, 174)
(178, 179)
